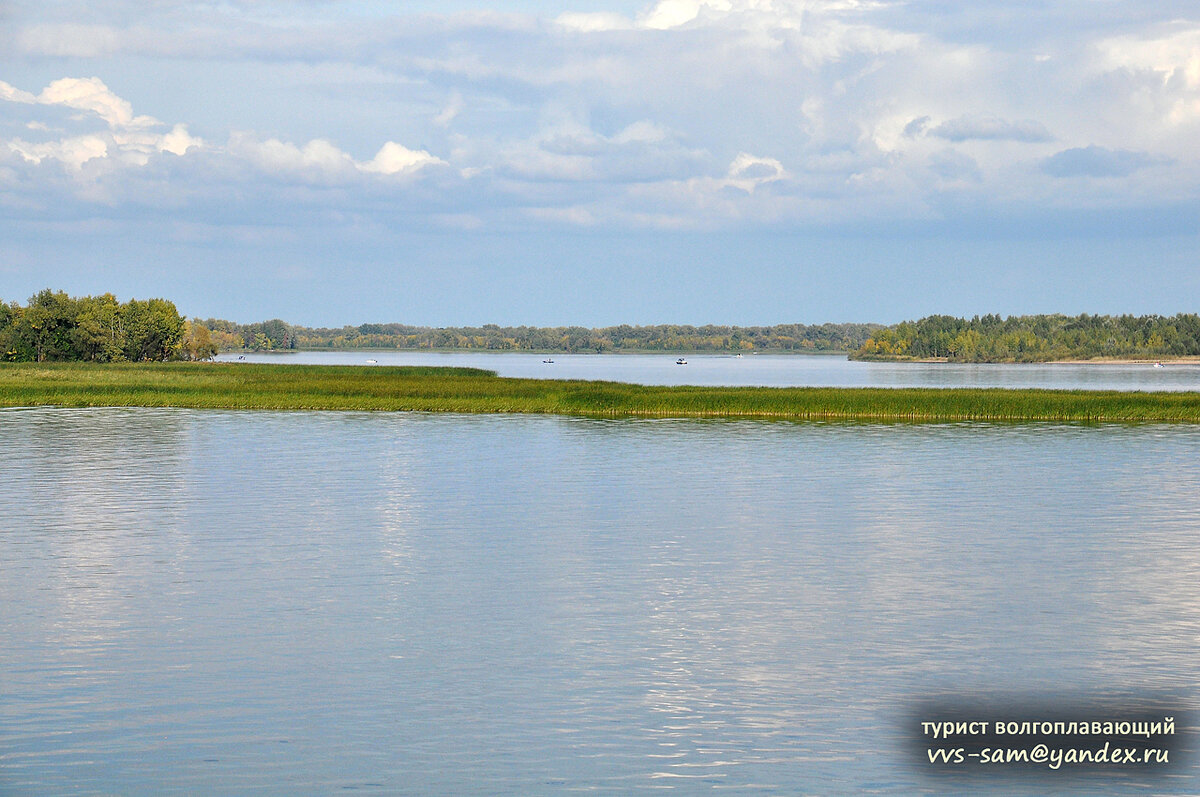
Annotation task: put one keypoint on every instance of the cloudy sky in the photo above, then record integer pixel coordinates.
(603, 161)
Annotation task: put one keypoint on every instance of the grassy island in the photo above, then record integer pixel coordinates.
(469, 390)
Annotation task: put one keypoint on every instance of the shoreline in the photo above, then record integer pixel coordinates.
(471, 390)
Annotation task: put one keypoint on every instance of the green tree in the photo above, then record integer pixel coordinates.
(46, 326)
(154, 330)
(100, 329)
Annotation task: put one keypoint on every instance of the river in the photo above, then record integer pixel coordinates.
(773, 370)
(401, 603)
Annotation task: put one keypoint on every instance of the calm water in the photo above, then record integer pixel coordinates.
(230, 602)
(774, 370)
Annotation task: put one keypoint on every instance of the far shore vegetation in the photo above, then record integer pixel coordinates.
(466, 390)
(55, 327)
(1035, 338)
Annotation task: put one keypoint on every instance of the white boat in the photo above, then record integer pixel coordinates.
(373, 362)
(1159, 365)
(681, 361)
(548, 360)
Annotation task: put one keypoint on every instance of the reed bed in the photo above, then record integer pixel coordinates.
(469, 390)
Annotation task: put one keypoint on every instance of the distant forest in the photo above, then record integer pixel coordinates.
(276, 334)
(55, 326)
(1035, 338)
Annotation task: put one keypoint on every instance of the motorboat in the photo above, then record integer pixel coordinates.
(681, 361)
(548, 360)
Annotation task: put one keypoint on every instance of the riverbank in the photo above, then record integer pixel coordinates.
(469, 390)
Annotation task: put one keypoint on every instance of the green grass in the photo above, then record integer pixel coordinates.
(326, 387)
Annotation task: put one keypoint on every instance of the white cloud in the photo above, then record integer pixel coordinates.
(128, 139)
(178, 141)
(394, 158)
(748, 172)
(90, 94)
(668, 14)
(132, 141)
(602, 118)
(596, 22)
(643, 131)
(72, 152)
(1174, 55)
(317, 160)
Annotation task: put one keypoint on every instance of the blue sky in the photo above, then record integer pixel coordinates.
(680, 161)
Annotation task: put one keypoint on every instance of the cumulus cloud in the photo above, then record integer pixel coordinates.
(72, 152)
(690, 112)
(394, 158)
(126, 138)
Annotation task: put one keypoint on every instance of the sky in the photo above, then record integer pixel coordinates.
(599, 162)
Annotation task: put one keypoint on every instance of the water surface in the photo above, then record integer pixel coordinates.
(772, 370)
(270, 602)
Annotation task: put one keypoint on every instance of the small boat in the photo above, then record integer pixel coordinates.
(241, 357)
(681, 361)
(548, 360)
(372, 362)
(1159, 365)
(737, 356)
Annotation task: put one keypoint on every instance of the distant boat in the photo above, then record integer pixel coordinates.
(241, 356)
(681, 361)
(373, 362)
(737, 356)
(548, 360)
(1159, 365)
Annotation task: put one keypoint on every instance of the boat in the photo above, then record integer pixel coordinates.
(373, 362)
(681, 361)
(1159, 365)
(548, 360)
(737, 356)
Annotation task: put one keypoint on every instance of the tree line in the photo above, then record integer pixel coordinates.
(56, 327)
(1035, 338)
(276, 334)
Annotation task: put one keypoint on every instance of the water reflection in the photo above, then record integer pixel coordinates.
(281, 602)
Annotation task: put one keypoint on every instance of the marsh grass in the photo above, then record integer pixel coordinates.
(471, 390)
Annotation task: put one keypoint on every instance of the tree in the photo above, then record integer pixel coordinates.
(47, 324)
(154, 330)
(197, 343)
(100, 329)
